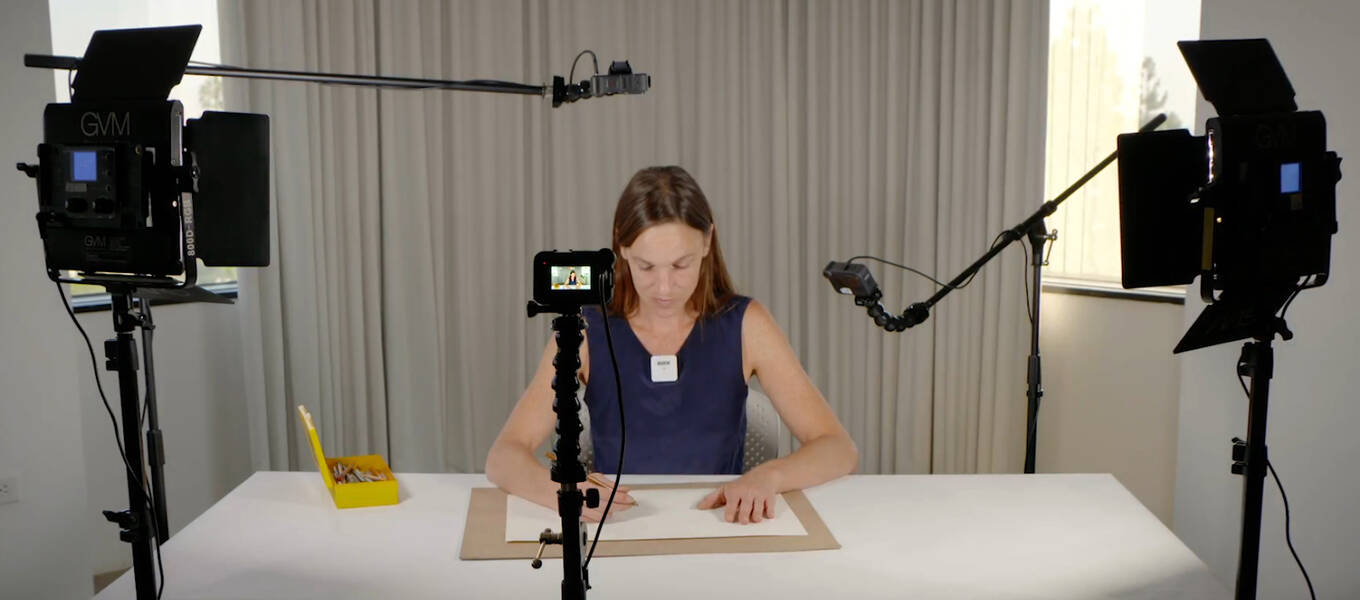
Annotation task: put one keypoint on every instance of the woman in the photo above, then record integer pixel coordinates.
(571, 279)
(674, 298)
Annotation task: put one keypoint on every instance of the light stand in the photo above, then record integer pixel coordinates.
(1250, 457)
(135, 523)
(1252, 215)
(146, 518)
(1248, 314)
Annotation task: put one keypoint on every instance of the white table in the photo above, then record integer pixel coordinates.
(904, 536)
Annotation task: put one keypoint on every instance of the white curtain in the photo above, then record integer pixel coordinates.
(406, 220)
(311, 323)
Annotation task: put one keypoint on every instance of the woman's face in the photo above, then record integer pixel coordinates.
(664, 262)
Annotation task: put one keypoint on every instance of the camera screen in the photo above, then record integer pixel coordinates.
(571, 278)
(83, 165)
(1289, 178)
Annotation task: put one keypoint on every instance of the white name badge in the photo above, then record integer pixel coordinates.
(665, 368)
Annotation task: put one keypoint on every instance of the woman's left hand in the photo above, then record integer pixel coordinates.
(749, 499)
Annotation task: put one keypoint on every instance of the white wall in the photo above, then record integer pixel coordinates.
(199, 385)
(54, 433)
(42, 550)
(1313, 410)
(1111, 392)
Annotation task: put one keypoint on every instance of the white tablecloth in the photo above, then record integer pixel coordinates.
(278, 535)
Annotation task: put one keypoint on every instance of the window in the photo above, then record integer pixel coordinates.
(73, 21)
(1112, 66)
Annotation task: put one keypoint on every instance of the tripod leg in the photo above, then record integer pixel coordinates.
(1258, 362)
(122, 357)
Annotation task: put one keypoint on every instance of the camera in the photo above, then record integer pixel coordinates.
(620, 80)
(563, 280)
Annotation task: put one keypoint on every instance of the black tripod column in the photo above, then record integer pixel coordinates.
(1038, 234)
(567, 469)
(1249, 458)
(121, 352)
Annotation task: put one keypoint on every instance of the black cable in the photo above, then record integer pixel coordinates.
(888, 262)
(1029, 307)
(618, 390)
(146, 397)
(975, 273)
(571, 75)
(117, 438)
(1288, 536)
(932, 279)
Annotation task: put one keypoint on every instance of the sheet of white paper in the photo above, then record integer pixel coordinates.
(658, 515)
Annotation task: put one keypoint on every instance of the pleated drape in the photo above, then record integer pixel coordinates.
(406, 220)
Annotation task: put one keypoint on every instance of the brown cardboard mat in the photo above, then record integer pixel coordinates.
(484, 532)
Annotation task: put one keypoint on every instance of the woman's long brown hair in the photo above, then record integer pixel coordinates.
(658, 195)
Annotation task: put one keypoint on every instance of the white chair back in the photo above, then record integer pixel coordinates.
(762, 433)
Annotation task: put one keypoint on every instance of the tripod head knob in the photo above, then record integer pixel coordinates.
(545, 538)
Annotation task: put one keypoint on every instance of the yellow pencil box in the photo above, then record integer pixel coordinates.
(352, 495)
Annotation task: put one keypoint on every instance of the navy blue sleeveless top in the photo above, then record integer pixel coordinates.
(696, 424)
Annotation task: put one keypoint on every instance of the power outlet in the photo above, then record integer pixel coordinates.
(9, 489)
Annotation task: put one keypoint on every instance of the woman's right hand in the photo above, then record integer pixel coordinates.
(622, 501)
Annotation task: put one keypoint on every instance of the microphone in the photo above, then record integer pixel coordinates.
(620, 80)
(851, 279)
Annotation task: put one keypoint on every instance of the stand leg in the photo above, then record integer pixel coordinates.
(121, 353)
(1258, 362)
(1034, 390)
(155, 446)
